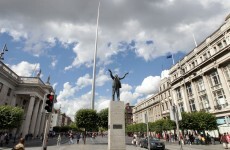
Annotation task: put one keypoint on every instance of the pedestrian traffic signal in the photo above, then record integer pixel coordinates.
(49, 103)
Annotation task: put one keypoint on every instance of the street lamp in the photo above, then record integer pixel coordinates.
(2, 53)
(147, 123)
(176, 116)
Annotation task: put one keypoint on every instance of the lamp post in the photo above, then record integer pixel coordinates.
(176, 117)
(3, 51)
(146, 121)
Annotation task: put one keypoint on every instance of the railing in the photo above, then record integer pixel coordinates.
(216, 87)
(34, 80)
(8, 70)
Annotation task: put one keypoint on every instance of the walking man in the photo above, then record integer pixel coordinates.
(59, 140)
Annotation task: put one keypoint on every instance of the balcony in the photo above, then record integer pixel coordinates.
(220, 107)
(216, 87)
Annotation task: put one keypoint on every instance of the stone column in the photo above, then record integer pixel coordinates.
(38, 124)
(209, 93)
(34, 118)
(196, 98)
(185, 98)
(42, 125)
(13, 101)
(28, 116)
(224, 85)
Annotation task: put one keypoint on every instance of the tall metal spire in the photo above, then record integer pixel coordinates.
(95, 57)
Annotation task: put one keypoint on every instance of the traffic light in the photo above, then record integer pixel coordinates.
(49, 102)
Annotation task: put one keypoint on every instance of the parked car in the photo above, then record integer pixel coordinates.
(155, 144)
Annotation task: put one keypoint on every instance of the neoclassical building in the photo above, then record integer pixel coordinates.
(29, 93)
(151, 107)
(200, 81)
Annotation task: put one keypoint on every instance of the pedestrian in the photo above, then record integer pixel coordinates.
(78, 137)
(228, 139)
(59, 140)
(70, 138)
(224, 141)
(20, 145)
(134, 141)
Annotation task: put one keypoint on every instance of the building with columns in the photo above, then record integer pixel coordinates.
(29, 93)
(151, 107)
(198, 82)
(201, 80)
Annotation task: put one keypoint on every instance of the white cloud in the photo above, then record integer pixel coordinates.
(102, 103)
(24, 68)
(67, 92)
(54, 62)
(129, 97)
(149, 85)
(164, 74)
(101, 78)
(26, 25)
(84, 81)
(126, 87)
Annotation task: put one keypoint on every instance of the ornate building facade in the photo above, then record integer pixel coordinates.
(151, 107)
(200, 81)
(29, 93)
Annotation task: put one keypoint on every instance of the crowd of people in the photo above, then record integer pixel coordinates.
(188, 138)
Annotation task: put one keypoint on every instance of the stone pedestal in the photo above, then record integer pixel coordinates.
(116, 131)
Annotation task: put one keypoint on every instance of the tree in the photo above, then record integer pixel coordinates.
(10, 117)
(103, 118)
(168, 124)
(87, 119)
(198, 121)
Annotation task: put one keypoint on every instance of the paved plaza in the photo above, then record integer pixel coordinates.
(128, 147)
(100, 143)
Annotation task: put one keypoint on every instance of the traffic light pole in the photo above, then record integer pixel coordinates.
(45, 137)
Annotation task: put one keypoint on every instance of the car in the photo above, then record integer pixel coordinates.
(155, 144)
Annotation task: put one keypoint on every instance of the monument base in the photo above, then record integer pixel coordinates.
(116, 130)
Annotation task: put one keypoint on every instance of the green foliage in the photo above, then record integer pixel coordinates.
(168, 124)
(158, 126)
(10, 117)
(198, 121)
(87, 118)
(162, 125)
(139, 127)
(103, 118)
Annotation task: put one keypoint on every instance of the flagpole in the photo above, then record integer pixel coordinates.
(172, 59)
(194, 39)
(95, 57)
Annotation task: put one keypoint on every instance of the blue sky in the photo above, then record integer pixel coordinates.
(135, 36)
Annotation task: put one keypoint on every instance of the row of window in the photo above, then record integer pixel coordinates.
(219, 95)
(202, 57)
(9, 89)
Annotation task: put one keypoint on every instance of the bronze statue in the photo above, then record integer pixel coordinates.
(116, 84)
